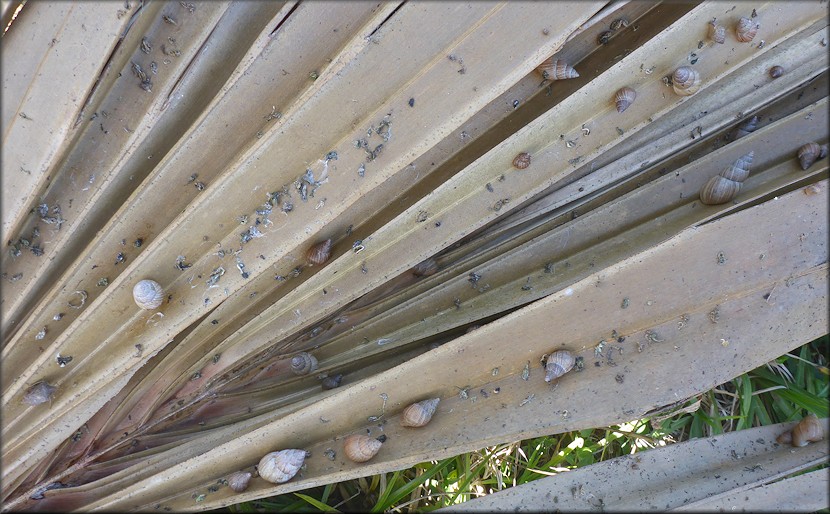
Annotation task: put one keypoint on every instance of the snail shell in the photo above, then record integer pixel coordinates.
(558, 363)
(360, 448)
(319, 253)
(303, 363)
(685, 81)
(556, 69)
(419, 414)
(806, 431)
(522, 160)
(747, 127)
(717, 33)
(604, 37)
(332, 382)
(238, 481)
(776, 71)
(148, 294)
(810, 153)
(281, 466)
(725, 186)
(745, 30)
(425, 268)
(624, 98)
(39, 393)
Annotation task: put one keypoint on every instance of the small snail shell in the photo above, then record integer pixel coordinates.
(808, 430)
(745, 30)
(419, 414)
(522, 160)
(556, 69)
(685, 81)
(425, 268)
(333, 381)
(604, 37)
(238, 480)
(281, 466)
(303, 363)
(558, 363)
(725, 186)
(319, 253)
(810, 153)
(148, 294)
(39, 393)
(360, 448)
(624, 98)
(747, 127)
(717, 33)
(776, 71)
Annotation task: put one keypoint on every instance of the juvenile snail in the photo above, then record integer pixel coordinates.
(685, 81)
(810, 153)
(425, 268)
(717, 33)
(39, 393)
(745, 30)
(624, 98)
(148, 294)
(808, 430)
(776, 71)
(556, 69)
(303, 363)
(522, 160)
(360, 448)
(238, 481)
(557, 364)
(418, 414)
(281, 466)
(333, 381)
(319, 253)
(725, 186)
(746, 128)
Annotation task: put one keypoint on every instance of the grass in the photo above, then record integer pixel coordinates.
(783, 390)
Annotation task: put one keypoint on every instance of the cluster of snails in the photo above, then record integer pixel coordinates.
(808, 430)
(810, 153)
(725, 186)
(745, 30)
(148, 294)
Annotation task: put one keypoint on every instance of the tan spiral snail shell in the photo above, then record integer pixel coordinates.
(281, 466)
(556, 69)
(624, 98)
(148, 294)
(319, 253)
(361, 448)
(558, 363)
(725, 186)
(418, 414)
(810, 153)
(239, 480)
(303, 363)
(808, 430)
(685, 81)
(746, 29)
(746, 128)
(717, 33)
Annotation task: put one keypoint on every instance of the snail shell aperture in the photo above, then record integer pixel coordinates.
(360, 448)
(808, 430)
(39, 393)
(148, 294)
(624, 98)
(319, 253)
(558, 363)
(238, 480)
(303, 363)
(281, 466)
(685, 81)
(745, 30)
(419, 414)
(717, 33)
(725, 186)
(746, 128)
(810, 153)
(522, 160)
(556, 69)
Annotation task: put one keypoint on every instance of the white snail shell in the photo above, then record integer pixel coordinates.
(39, 393)
(303, 363)
(558, 363)
(281, 466)
(685, 81)
(717, 33)
(148, 294)
(624, 98)
(360, 448)
(238, 481)
(556, 69)
(810, 153)
(419, 414)
(745, 30)
(727, 184)
(746, 128)
(808, 430)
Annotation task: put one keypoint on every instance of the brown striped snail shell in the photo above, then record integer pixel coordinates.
(333, 381)
(418, 414)
(281, 466)
(746, 128)
(810, 153)
(303, 363)
(624, 98)
(239, 480)
(776, 71)
(319, 253)
(425, 268)
(717, 33)
(726, 185)
(39, 393)
(556, 69)
(360, 448)
(745, 30)
(522, 160)
(148, 294)
(558, 363)
(685, 81)
(808, 430)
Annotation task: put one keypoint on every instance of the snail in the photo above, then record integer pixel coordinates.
(319, 253)
(685, 81)
(333, 381)
(776, 71)
(557, 364)
(725, 186)
(39, 393)
(281, 466)
(717, 33)
(522, 160)
(624, 98)
(360, 448)
(604, 37)
(425, 268)
(556, 69)
(745, 30)
(811, 190)
(808, 430)
(745, 128)
(148, 294)
(810, 153)
(303, 363)
(238, 481)
(618, 24)
(418, 414)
